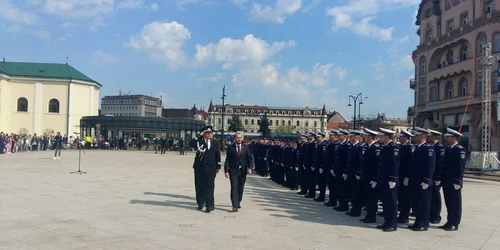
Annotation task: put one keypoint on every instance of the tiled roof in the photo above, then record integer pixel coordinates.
(43, 70)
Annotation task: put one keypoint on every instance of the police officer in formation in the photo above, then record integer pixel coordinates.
(363, 167)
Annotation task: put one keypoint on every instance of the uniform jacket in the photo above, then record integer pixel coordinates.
(342, 158)
(405, 159)
(439, 149)
(354, 160)
(371, 160)
(320, 154)
(311, 150)
(330, 155)
(210, 160)
(454, 165)
(389, 164)
(302, 154)
(423, 165)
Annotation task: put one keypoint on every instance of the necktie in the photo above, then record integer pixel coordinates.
(239, 150)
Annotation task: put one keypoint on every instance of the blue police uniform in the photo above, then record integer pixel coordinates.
(453, 173)
(371, 160)
(319, 162)
(388, 172)
(436, 203)
(302, 168)
(404, 194)
(422, 171)
(340, 167)
(330, 162)
(353, 172)
(311, 169)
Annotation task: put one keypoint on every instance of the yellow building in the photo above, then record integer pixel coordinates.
(45, 98)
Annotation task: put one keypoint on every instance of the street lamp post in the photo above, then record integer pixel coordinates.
(355, 99)
(223, 113)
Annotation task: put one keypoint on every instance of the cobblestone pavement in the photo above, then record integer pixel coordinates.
(139, 200)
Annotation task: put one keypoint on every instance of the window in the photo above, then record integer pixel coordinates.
(220, 120)
(451, 25)
(479, 83)
(423, 65)
(315, 123)
(449, 90)
(252, 111)
(429, 35)
(465, 18)
(22, 105)
(428, 13)
(488, 6)
(290, 123)
(433, 94)
(252, 122)
(246, 111)
(448, 4)
(496, 42)
(282, 122)
(277, 123)
(481, 44)
(422, 95)
(298, 123)
(270, 122)
(53, 106)
(449, 56)
(246, 122)
(464, 87)
(307, 124)
(463, 54)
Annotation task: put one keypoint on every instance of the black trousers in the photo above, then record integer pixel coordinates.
(404, 202)
(237, 186)
(390, 204)
(293, 178)
(204, 183)
(322, 183)
(422, 204)
(371, 199)
(342, 191)
(332, 188)
(436, 204)
(356, 189)
(302, 179)
(453, 201)
(311, 181)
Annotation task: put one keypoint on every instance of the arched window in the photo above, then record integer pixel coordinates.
(246, 111)
(252, 111)
(463, 54)
(246, 122)
(307, 124)
(481, 44)
(252, 122)
(449, 56)
(289, 123)
(449, 90)
(433, 94)
(22, 105)
(464, 87)
(423, 65)
(496, 42)
(53, 106)
(270, 122)
(282, 122)
(315, 123)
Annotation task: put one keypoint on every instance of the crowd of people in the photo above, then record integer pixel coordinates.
(14, 143)
(361, 168)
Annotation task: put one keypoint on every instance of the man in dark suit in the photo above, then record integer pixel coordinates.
(207, 164)
(239, 163)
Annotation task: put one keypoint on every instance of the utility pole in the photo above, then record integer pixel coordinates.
(223, 113)
(486, 106)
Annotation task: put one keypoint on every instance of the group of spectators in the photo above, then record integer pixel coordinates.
(14, 143)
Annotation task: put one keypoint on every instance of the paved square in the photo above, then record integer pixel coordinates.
(139, 200)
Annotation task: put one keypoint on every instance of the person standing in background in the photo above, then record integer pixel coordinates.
(58, 141)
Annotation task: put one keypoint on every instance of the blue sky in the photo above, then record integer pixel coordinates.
(274, 52)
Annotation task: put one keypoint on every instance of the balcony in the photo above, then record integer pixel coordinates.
(412, 83)
(449, 103)
(411, 111)
(451, 70)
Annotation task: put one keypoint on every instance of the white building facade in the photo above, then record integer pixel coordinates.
(296, 119)
(131, 105)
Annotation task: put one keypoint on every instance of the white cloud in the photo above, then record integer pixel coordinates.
(102, 57)
(276, 13)
(354, 83)
(358, 15)
(163, 42)
(215, 78)
(154, 6)
(131, 4)
(311, 6)
(406, 62)
(379, 67)
(239, 2)
(249, 51)
(16, 15)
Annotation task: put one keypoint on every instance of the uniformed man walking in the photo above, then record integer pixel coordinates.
(421, 179)
(388, 180)
(453, 174)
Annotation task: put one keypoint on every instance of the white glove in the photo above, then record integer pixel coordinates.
(373, 183)
(424, 186)
(332, 172)
(392, 184)
(312, 168)
(406, 180)
(296, 169)
(320, 171)
(304, 167)
(457, 187)
(437, 183)
(282, 164)
(265, 159)
(358, 177)
(272, 161)
(344, 176)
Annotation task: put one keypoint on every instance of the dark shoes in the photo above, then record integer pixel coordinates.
(329, 204)
(419, 229)
(435, 221)
(319, 199)
(208, 210)
(200, 207)
(390, 229)
(368, 221)
(310, 196)
(235, 209)
(451, 228)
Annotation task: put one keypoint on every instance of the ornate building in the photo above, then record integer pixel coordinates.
(45, 98)
(448, 77)
(296, 119)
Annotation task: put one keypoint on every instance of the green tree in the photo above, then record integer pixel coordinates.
(235, 124)
(264, 126)
(286, 129)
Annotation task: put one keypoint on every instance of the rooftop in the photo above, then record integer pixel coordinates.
(43, 70)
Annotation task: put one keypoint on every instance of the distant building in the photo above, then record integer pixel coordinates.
(45, 98)
(382, 121)
(336, 121)
(295, 119)
(131, 105)
(194, 112)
